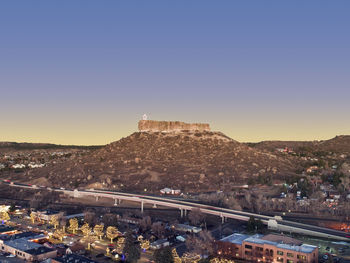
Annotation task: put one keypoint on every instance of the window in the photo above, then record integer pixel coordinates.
(290, 255)
(289, 261)
(279, 253)
(301, 257)
(279, 259)
(248, 246)
(259, 248)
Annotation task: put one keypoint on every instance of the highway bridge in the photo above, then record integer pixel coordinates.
(273, 223)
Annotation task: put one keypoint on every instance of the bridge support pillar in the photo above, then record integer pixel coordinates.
(185, 212)
(96, 198)
(116, 201)
(222, 219)
(182, 212)
(154, 206)
(141, 206)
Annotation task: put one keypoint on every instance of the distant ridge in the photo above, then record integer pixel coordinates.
(31, 146)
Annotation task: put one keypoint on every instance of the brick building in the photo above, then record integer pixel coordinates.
(269, 248)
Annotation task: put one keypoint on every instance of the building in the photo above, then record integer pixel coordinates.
(269, 248)
(231, 246)
(159, 244)
(187, 228)
(8, 230)
(47, 214)
(24, 247)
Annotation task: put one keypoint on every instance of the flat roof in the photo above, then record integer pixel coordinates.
(22, 244)
(49, 212)
(302, 248)
(4, 228)
(159, 241)
(235, 239)
(27, 235)
(40, 250)
(187, 227)
(282, 239)
(74, 258)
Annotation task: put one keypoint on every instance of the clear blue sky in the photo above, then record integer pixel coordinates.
(84, 72)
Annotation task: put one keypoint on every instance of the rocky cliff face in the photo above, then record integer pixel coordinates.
(168, 126)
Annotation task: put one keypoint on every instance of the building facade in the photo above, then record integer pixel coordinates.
(269, 248)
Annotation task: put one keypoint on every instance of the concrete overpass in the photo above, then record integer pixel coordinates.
(273, 223)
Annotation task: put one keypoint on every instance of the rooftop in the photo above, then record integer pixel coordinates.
(258, 239)
(282, 239)
(73, 258)
(39, 250)
(27, 235)
(187, 227)
(159, 242)
(4, 228)
(49, 212)
(235, 239)
(22, 244)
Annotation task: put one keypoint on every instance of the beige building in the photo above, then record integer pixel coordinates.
(47, 214)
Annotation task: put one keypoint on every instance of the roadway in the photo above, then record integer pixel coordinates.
(275, 223)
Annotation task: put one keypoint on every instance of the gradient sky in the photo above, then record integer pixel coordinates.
(84, 72)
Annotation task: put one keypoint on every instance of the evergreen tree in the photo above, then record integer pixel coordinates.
(163, 255)
(254, 225)
(131, 250)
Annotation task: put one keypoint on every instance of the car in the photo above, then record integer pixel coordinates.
(100, 255)
(325, 257)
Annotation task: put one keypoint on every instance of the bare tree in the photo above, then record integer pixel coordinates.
(196, 216)
(145, 223)
(90, 218)
(110, 219)
(202, 244)
(158, 228)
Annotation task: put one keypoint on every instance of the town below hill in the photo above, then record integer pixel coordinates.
(204, 165)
